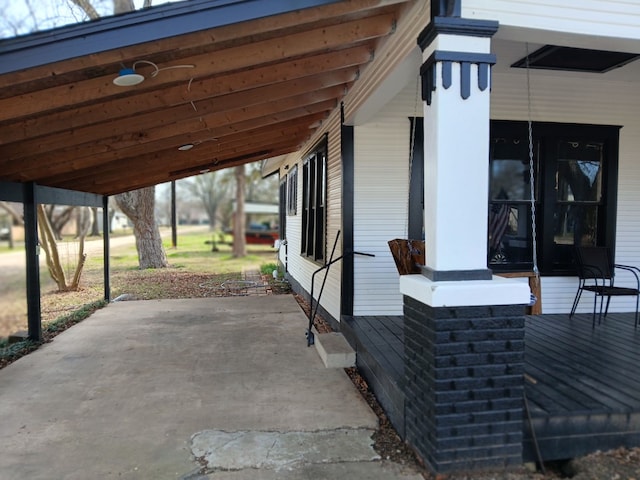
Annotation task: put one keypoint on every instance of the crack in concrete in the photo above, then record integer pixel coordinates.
(272, 447)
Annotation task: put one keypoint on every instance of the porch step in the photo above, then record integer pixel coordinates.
(334, 350)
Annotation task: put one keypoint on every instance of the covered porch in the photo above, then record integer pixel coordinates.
(582, 386)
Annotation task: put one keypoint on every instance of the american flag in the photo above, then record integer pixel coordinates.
(498, 220)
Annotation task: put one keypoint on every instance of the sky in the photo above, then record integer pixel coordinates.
(20, 17)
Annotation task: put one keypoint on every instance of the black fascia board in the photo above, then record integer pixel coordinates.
(14, 192)
(11, 192)
(137, 27)
(60, 196)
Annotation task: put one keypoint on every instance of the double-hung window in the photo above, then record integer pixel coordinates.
(575, 170)
(314, 191)
(292, 191)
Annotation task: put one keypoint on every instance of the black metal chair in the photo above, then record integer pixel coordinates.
(596, 274)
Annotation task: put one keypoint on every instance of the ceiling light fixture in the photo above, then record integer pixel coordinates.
(189, 146)
(127, 77)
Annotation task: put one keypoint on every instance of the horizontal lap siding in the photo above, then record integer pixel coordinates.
(381, 201)
(573, 98)
(300, 267)
(590, 17)
(331, 295)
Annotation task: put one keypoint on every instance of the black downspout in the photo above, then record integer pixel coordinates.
(106, 260)
(347, 151)
(34, 318)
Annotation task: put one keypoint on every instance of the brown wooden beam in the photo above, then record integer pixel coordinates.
(176, 162)
(61, 167)
(310, 89)
(256, 138)
(21, 158)
(237, 82)
(119, 185)
(71, 70)
(284, 119)
(235, 58)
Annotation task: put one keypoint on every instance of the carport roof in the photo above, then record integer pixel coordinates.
(239, 80)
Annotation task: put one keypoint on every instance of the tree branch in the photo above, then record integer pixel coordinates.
(87, 8)
(17, 216)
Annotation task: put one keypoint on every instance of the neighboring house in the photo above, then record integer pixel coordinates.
(464, 103)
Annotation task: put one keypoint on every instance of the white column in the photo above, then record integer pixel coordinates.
(456, 77)
(456, 152)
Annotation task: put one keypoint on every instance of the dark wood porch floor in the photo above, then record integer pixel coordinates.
(582, 385)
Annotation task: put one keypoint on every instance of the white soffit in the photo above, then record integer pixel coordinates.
(407, 71)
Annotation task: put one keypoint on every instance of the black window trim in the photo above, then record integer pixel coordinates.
(543, 132)
(314, 210)
(282, 216)
(292, 191)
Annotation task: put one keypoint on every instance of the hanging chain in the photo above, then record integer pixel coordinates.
(532, 174)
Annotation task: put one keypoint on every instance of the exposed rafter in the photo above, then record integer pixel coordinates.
(257, 89)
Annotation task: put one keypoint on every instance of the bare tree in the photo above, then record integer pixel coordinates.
(58, 216)
(13, 213)
(15, 23)
(88, 9)
(260, 189)
(95, 223)
(211, 190)
(54, 264)
(139, 206)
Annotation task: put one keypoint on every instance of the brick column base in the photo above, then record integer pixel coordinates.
(464, 371)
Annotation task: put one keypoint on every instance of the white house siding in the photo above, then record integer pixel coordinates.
(381, 202)
(331, 295)
(575, 98)
(591, 18)
(300, 267)
(381, 176)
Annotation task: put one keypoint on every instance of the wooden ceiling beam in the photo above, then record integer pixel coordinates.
(40, 167)
(228, 60)
(260, 93)
(114, 109)
(154, 175)
(172, 161)
(71, 70)
(285, 131)
(120, 187)
(35, 166)
(321, 87)
(18, 156)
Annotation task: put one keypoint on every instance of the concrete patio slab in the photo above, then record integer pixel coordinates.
(122, 394)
